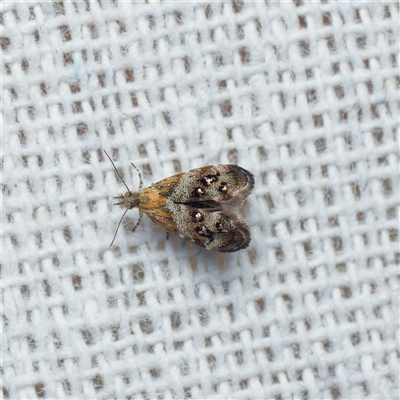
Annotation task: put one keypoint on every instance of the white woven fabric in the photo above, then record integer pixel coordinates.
(304, 95)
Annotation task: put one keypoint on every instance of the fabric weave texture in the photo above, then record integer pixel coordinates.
(303, 94)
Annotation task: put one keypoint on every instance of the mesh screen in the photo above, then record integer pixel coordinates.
(305, 95)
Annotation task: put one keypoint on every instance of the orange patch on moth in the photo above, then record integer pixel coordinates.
(152, 204)
(150, 200)
(163, 218)
(163, 187)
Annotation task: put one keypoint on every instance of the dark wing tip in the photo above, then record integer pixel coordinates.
(246, 237)
(242, 237)
(241, 192)
(249, 177)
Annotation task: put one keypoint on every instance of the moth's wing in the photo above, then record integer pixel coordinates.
(222, 183)
(165, 186)
(222, 231)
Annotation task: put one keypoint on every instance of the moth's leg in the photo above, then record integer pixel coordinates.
(140, 218)
(166, 235)
(140, 176)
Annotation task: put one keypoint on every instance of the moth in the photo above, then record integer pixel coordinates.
(194, 205)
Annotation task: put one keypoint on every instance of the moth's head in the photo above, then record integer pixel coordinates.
(128, 200)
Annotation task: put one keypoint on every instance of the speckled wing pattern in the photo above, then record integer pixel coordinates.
(223, 183)
(194, 206)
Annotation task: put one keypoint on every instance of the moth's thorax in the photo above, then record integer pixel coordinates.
(129, 200)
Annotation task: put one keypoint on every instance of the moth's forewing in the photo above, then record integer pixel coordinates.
(222, 231)
(165, 186)
(223, 183)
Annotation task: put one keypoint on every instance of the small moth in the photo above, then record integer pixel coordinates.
(191, 204)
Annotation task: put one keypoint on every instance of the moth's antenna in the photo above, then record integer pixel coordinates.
(120, 177)
(119, 223)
